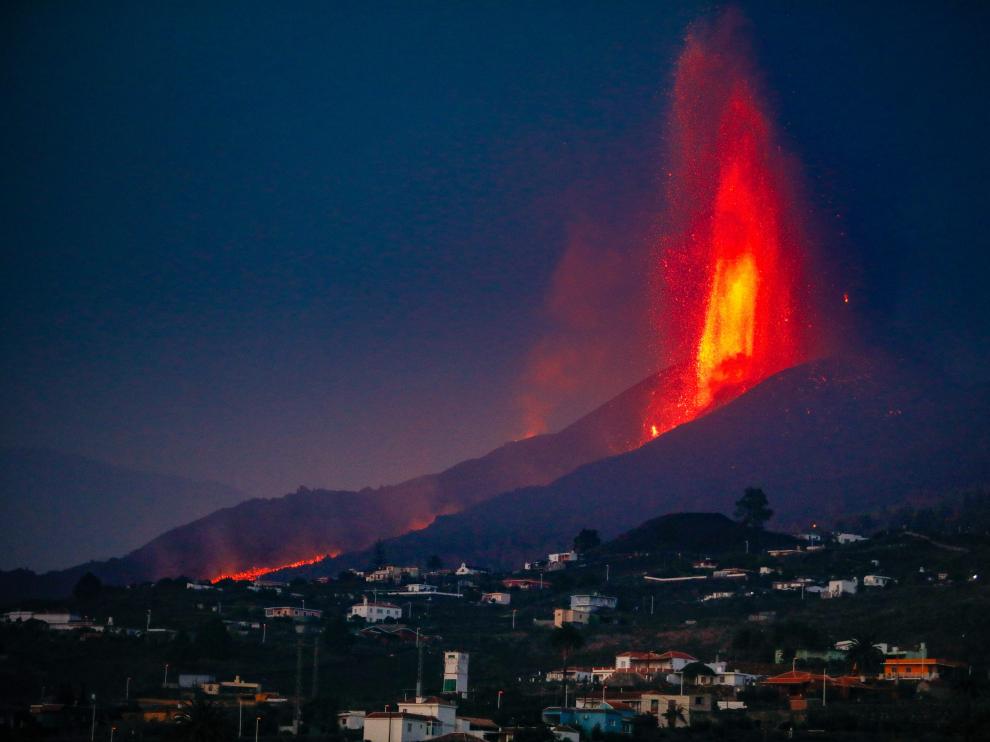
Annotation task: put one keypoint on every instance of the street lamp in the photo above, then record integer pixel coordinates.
(165, 679)
(127, 690)
(499, 702)
(92, 728)
(257, 721)
(112, 730)
(240, 718)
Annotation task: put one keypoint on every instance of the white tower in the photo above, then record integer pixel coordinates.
(455, 673)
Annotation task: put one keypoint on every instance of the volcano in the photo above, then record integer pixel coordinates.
(826, 439)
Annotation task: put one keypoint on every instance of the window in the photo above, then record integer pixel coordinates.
(409, 727)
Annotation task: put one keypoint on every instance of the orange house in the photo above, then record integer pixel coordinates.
(927, 668)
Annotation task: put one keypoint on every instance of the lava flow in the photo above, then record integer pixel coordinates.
(253, 573)
(732, 256)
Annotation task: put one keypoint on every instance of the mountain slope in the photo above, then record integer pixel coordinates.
(58, 509)
(308, 523)
(837, 436)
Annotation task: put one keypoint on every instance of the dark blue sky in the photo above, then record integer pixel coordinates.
(312, 244)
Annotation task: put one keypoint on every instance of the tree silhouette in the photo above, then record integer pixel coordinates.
(566, 640)
(88, 588)
(674, 714)
(864, 657)
(587, 540)
(203, 721)
(751, 509)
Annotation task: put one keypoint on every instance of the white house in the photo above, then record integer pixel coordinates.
(375, 612)
(352, 719)
(497, 598)
(579, 675)
(399, 726)
(568, 615)
(563, 556)
(592, 602)
(838, 588)
(849, 538)
(464, 570)
(716, 596)
(421, 587)
(293, 612)
(877, 580)
(443, 712)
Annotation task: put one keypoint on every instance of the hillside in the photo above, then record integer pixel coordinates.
(824, 440)
(313, 522)
(709, 533)
(59, 509)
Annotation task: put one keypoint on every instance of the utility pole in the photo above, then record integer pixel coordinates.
(240, 718)
(92, 728)
(127, 690)
(651, 605)
(607, 567)
(147, 626)
(514, 619)
(257, 721)
(298, 712)
(165, 678)
(316, 665)
(264, 632)
(419, 668)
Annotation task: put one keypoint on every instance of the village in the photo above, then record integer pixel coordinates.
(574, 645)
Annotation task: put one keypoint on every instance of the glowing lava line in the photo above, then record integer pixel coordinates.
(253, 573)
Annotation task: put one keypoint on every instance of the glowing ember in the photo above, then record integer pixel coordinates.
(731, 264)
(253, 573)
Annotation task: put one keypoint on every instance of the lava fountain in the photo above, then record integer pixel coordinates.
(731, 278)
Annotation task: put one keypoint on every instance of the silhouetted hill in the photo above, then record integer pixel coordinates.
(312, 522)
(59, 509)
(711, 533)
(826, 439)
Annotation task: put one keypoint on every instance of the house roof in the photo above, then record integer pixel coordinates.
(400, 715)
(675, 655)
(375, 603)
(476, 721)
(641, 655)
(428, 701)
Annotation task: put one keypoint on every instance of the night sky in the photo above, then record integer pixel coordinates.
(320, 244)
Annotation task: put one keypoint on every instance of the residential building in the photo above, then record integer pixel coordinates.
(729, 573)
(523, 583)
(54, 621)
(195, 680)
(677, 710)
(352, 719)
(373, 612)
(442, 711)
(455, 673)
(568, 615)
(561, 557)
(838, 588)
(476, 727)
(392, 573)
(593, 602)
(919, 668)
(235, 687)
(606, 717)
(496, 598)
(399, 726)
(877, 580)
(849, 538)
(421, 587)
(652, 663)
(566, 734)
(293, 612)
(578, 675)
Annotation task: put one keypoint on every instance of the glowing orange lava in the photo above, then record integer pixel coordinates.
(733, 253)
(253, 573)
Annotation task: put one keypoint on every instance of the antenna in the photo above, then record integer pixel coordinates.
(419, 668)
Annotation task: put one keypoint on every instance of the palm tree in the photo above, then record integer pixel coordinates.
(566, 640)
(674, 714)
(203, 722)
(864, 656)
